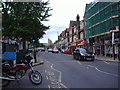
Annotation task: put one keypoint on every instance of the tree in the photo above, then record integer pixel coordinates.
(23, 19)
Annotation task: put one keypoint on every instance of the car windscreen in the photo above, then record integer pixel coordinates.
(82, 50)
(55, 49)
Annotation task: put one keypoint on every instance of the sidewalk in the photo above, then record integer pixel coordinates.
(107, 58)
(39, 60)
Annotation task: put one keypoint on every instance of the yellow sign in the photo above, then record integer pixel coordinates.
(73, 44)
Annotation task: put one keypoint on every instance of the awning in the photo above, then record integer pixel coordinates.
(80, 42)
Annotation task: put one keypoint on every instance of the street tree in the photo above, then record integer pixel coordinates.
(24, 20)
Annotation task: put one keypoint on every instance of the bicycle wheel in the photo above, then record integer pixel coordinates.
(35, 77)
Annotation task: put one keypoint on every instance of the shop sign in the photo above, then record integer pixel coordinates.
(73, 44)
(81, 42)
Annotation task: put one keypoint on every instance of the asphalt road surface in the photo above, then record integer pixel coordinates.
(62, 71)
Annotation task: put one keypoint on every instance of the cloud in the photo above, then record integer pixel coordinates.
(56, 28)
(63, 11)
(52, 33)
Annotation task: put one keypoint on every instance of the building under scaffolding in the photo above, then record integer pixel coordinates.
(103, 27)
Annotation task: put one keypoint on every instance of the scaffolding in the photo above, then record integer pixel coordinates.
(102, 17)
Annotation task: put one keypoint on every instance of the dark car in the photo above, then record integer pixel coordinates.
(83, 54)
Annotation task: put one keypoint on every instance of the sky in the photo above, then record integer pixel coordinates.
(63, 11)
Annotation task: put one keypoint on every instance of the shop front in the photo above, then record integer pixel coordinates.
(80, 43)
(72, 46)
(105, 45)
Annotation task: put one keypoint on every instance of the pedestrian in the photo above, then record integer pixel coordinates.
(97, 51)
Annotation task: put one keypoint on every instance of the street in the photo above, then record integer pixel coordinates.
(62, 71)
(56, 39)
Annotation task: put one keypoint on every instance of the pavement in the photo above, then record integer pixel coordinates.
(107, 58)
(39, 60)
(37, 63)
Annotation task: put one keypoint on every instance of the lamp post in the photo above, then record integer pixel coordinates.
(34, 40)
(35, 55)
(113, 44)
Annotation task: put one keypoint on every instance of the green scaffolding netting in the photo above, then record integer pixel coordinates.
(105, 15)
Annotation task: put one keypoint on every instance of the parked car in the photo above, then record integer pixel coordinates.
(68, 51)
(42, 49)
(49, 50)
(62, 50)
(55, 50)
(30, 50)
(83, 54)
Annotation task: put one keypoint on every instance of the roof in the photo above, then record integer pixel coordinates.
(73, 23)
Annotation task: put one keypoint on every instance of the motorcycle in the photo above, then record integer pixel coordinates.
(11, 73)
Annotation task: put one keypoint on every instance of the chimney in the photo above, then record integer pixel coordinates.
(77, 17)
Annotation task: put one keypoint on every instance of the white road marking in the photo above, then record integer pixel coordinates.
(79, 63)
(60, 74)
(52, 78)
(55, 82)
(56, 86)
(64, 86)
(45, 71)
(50, 73)
(106, 62)
(87, 67)
(103, 71)
(47, 77)
(49, 87)
(111, 63)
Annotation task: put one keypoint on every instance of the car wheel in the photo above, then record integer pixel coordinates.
(79, 58)
(92, 59)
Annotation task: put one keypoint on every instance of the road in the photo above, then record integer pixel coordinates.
(62, 71)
